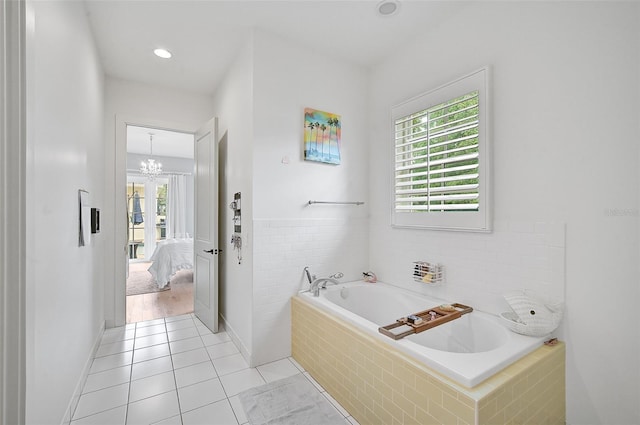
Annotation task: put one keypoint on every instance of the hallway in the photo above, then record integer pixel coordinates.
(176, 301)
(174, 371)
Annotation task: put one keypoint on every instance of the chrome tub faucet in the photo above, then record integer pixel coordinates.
(322, 282)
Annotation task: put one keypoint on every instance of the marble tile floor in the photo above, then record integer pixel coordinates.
(174, 371)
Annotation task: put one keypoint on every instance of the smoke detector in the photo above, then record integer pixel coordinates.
(388, 7)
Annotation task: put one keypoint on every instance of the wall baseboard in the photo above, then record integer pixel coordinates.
(237, 342)
(75, 398)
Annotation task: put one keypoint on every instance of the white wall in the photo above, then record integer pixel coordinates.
(144, 105)
(64, 304)
(289, 234)
(289, 78)
(261, 108)
(565, 152)
(234, 108)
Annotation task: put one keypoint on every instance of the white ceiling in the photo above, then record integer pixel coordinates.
(205, 35)
(165, 143)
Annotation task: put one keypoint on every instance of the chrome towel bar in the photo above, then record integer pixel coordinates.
(337, 202)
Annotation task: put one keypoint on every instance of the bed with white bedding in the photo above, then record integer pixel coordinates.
(170, 256)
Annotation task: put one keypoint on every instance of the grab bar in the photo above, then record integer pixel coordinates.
(337, 202)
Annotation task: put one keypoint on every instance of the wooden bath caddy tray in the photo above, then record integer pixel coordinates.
(431, 318)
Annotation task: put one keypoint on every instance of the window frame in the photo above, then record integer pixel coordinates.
(472, 221)
(150, 225)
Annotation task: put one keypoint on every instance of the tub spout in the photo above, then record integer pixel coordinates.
(321, 282)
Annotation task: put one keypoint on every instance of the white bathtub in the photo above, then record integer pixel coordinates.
(468, 350)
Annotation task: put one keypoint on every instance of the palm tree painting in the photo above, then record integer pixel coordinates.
(322, 131)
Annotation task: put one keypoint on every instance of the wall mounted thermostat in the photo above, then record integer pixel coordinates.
(95, 220)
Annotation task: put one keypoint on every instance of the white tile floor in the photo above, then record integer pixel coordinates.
(174, 371)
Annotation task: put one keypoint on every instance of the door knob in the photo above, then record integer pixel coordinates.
(209, 251)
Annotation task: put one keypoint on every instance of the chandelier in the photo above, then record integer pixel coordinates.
(151, 168)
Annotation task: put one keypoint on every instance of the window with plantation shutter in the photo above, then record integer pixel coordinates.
(440, 158)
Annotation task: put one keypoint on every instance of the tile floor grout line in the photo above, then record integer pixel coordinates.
(234, 410)
(72, 416)
(98, 412)
(227, 398)
(202, 337)
(209, 356)
(126, 410)
(216, 370)
(207, 404)
(126, 415)
(175, 380)
(108, 386)
(132, 363)
(221, 357)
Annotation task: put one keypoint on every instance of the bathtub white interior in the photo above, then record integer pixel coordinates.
(469, 334)
(467, 368)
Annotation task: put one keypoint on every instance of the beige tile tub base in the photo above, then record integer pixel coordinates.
(380, 385)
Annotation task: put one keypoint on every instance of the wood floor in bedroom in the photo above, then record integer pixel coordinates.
(174, 302)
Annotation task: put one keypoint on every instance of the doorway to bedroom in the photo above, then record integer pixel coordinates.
(160, 223)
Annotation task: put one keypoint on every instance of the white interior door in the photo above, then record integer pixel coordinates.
(206, 250)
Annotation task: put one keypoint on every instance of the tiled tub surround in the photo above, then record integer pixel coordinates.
(378, 384)
(478, 267)
(282, 249)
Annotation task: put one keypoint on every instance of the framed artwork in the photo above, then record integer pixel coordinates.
(322, 136)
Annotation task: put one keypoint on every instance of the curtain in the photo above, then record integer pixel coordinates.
(136, 216)
(177, 207)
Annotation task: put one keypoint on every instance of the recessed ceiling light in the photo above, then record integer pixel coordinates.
(388, 7)
(162, 53)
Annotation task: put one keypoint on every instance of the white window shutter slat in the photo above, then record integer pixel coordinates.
(442, 142)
